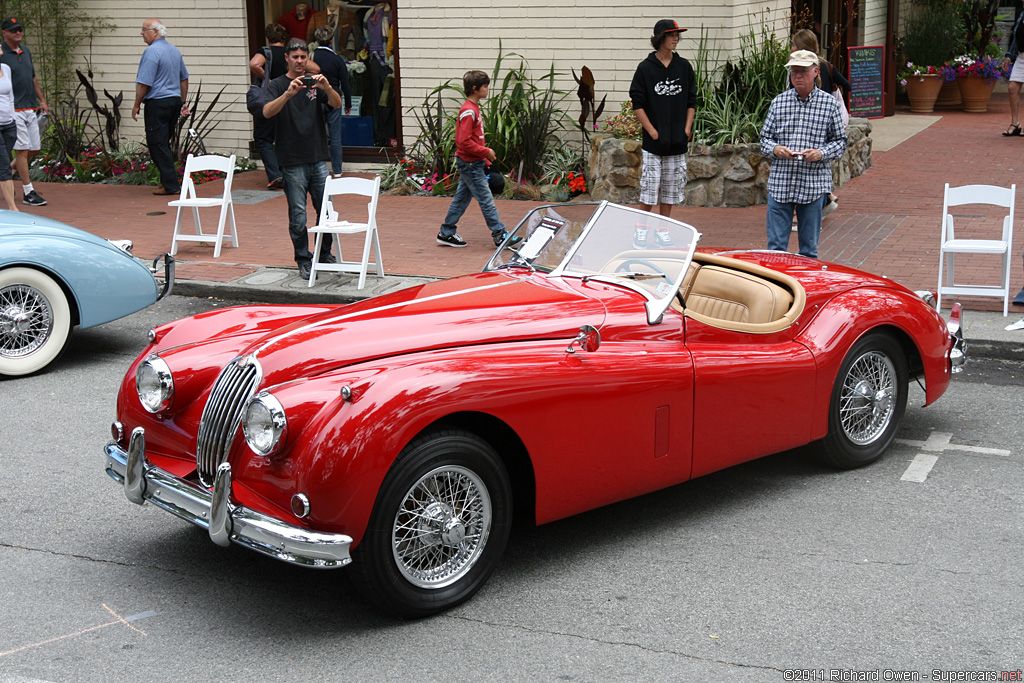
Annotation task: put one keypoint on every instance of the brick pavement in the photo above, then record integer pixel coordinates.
(887, 221)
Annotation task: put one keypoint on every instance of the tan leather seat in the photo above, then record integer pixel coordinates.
(736, 296)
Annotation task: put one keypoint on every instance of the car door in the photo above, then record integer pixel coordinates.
(753, 394)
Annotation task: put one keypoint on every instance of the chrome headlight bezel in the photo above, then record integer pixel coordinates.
(159, 390)
(264, 423)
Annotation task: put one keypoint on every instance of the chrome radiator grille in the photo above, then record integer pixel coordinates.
(223, 413)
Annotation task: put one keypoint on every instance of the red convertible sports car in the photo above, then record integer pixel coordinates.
(403, 433)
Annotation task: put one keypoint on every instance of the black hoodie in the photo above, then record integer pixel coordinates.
(665, 93)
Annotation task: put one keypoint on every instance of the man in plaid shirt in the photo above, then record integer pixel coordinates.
(802, 134)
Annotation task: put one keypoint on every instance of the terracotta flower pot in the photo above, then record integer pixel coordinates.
(949, 95)
(923, 91)
(975, 93)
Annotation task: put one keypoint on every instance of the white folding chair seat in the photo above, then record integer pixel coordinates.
(950, 245)
(190, 199)
(330, 224)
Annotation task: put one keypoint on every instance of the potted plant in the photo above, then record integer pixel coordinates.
(975, 77)
(923, 84)
(934, 34)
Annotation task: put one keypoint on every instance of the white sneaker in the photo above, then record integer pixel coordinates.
(829, 208)
(1019, 325)
(663, 238)
(640, 236)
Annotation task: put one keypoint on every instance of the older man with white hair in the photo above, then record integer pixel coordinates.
(802, 134)
(162, 84)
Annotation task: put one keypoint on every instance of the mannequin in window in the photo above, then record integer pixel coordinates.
(325, 17)
(377, 27)
(297, 21)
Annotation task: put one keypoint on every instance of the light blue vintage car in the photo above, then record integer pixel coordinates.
(54, 277)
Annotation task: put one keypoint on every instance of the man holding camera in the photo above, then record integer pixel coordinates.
(295, 100)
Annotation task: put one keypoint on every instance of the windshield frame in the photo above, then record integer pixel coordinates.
(655, 305)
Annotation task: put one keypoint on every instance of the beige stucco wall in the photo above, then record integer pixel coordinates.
(212, 38)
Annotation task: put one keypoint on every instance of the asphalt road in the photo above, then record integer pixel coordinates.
(776, 566)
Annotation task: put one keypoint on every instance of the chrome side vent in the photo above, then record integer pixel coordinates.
(223, 413)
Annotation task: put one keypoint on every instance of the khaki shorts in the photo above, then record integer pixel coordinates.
(28, 130)
(662, 179)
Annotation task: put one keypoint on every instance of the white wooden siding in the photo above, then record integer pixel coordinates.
(211, 35)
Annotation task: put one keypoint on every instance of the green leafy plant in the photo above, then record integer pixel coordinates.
(561, 161)
(202, 120)
(933, 34)
(521, 119)
(55, 30)
(734, 98)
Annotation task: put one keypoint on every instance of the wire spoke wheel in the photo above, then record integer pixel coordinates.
(441, 527)
(26, 320)
(869, 398)
(867, 402)
(35, 320)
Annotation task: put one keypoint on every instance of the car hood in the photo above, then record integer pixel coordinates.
(15, 223)
(477, 309)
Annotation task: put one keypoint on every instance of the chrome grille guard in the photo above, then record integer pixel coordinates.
(223, 414)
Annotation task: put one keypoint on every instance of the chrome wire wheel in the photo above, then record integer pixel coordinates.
(441, 527)
(867, 401)
(35, 321)
(26, 320)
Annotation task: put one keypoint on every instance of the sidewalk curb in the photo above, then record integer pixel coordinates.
(995, 349)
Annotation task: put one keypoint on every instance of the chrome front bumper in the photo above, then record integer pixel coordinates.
(213, 510)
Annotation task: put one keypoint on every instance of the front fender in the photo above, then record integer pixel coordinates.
(852, 314)
(339, 450)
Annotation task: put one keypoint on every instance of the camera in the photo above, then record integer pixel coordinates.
(308, 81)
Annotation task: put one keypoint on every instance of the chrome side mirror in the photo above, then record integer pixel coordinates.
(588, 338)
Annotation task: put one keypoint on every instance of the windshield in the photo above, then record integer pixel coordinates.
(645, 252)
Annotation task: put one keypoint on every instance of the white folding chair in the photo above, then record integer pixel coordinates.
(329, 224)
(951, 245)
(189, 199)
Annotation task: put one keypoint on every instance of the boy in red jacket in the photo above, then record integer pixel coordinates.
(471, 160)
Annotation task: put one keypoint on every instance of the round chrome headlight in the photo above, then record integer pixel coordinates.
(263, 423)
(155, 385)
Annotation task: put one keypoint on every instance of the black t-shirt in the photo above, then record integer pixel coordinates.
(278, 67)
(301, 131)
(335, 70)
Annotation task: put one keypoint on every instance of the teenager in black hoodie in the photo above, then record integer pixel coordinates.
(664, 95)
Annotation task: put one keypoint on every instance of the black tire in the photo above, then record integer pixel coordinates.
(421, 554)
(868, 401)
(35, 321)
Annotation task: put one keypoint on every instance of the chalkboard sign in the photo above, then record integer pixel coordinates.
(867, 70)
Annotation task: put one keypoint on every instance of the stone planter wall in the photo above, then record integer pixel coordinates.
(730, 175)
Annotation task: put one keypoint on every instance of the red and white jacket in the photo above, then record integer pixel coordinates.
(469, 134)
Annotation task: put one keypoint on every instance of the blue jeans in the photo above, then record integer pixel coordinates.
(472, 184)
(263, 133)
(298, 181)
(780, 225)
(334, 126)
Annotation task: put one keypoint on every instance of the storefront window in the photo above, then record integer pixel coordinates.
(365, 35)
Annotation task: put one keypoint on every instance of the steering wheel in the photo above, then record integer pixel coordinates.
(628, 266)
